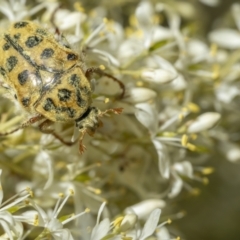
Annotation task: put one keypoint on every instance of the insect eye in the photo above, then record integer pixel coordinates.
(71, 56)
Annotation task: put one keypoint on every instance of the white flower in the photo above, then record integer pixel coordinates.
(16, 10)
(10, 224)
(53, 226)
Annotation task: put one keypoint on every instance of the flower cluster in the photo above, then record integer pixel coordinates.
(177, 89)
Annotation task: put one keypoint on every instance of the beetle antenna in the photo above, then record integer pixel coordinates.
(43, 128)
(100, 72)
(29, 122)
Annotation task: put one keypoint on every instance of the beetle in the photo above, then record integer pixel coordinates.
(48, 80)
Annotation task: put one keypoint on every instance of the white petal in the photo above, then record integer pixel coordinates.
(101, 230)
(138, 95)
(147, 115)
(197, 49)
(43, 164)
(7, 217)
(211, 3)
(158, 75)
(226, 38)
(204, 122)
(176, 188)
(233, 73)
(184, 168)
(62, 234)
(54, 224)
(151, 224)
(179, 83)
(66, 19)
(226, 93)
(7, 229)
(106, 57)
(144, 208)
(163, 233)
(42, 216)
(144, 14)
(28, 217)
(129, 49)
(163, 158)
(18, 230)
(233, 154)
(236, 14)
(128, 222)
(161, 33)
(100, 211)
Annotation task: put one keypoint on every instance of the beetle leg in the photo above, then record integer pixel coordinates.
(81, 145)
(112, 110)
(98, 71)
(29, 122)
(43, 128)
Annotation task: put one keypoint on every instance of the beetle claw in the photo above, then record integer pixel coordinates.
(82, 147)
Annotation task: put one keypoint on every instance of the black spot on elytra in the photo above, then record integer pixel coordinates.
(71, 112)
(20, 24)
(47, 53)
(41, 31)
(33, 41)
(71, 56)
(6, 46)
(11, 62)
(80, 101)
(49, 105)
(64, 95)
(74, 79)
(84, 90)
(17, 36)
(23, 76)
(2, 71)
(15, 96)
(25, 101)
